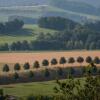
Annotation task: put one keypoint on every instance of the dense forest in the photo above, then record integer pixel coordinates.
(11, 26)
(71, 36)
(57, 23)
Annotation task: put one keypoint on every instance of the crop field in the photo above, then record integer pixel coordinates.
(39, 56)
(35, 87)
(12, 58)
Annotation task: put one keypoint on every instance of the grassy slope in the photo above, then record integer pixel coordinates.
(35, 88)
(38, 30)
(24, 35)
(43, 88)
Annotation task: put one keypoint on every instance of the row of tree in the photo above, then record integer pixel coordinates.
(50, 45)
(45, 62)
(72, 89)
(11, 26)
(58, 72)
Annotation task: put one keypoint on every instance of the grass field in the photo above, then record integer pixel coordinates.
(10, 39)
(28, 33)
(35, 88)
(38, 30)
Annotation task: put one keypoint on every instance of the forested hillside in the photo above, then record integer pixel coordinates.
(69, 36)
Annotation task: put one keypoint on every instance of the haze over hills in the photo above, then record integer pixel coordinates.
(30, 2)
(92, 2)
(73, 9)
(74, 6)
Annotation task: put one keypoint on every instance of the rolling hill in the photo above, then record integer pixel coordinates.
(31, 2)
(77, 10)
(92, 2)
(75, 6)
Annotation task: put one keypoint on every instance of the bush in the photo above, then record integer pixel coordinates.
(45, 62)
(80, 59)
(36, 64)
(17, 67)
(62, 60)
(26, 66)
(96, 60)
(6, 68)
(88, 59)
(54, 61)
(71, 60)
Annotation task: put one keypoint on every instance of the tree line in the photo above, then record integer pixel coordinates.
(53, 62)
(77, 38)
(58, 72)
(71, 89)
(57, 23)
(25, 45)
(11, 26)
(72, 37)
(61, 23)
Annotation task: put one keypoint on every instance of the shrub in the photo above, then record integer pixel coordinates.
(62, 60)
(96, 60)
(1, 92)
(54, 61)
(17, 67)
(36, 64)
(80, 60)
(26, 66)
(6, 68)
(45, 62)
(71, 60)
(88, 59)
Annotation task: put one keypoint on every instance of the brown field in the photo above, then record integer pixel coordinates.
(12, 58)
(39, 56)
